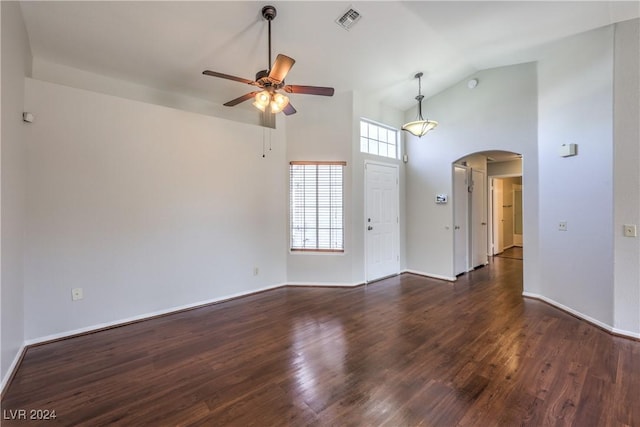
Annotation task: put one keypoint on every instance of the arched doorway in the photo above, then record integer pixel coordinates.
(482, 212)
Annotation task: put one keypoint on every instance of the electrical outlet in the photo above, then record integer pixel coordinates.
(256, 270)
(76, 294)
(562, 226)
(630, 230)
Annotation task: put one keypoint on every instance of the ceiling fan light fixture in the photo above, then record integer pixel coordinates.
(262, 100)
(420, 126)
(279, 102)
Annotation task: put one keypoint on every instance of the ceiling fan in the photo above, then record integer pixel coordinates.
(271, 81)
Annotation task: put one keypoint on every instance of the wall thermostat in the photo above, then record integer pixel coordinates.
(441, 199)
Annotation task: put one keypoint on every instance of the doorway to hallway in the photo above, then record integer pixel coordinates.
(487, 207)
(505, 211)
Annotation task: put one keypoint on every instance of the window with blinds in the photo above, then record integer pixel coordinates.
(316, 217)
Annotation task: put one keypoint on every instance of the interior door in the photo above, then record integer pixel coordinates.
(498, 220)
(478, 218)
(460, 219)
(382, 221)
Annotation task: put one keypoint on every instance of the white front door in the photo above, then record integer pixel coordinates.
(381, 221)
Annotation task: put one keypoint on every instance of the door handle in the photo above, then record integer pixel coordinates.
(483, 223)
(369, 228)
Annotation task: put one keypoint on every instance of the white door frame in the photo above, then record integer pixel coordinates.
(492, 231)
(397, 227)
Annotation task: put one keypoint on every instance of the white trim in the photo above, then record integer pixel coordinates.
(624, 333)
(433, 276)
(12, 368)
(582, 316)
(146, 316)
(325, 284)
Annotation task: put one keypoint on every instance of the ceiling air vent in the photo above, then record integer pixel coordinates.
(349, 18)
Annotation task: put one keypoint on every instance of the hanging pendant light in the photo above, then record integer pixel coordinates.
(421, 126)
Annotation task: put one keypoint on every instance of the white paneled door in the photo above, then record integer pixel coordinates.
(381, 221)
(460, 219)
(478, 219)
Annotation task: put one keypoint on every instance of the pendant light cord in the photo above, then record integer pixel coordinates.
(419, 97)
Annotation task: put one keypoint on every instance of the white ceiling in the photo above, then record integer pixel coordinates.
(167, 45)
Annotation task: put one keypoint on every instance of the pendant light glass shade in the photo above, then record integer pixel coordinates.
(420, 126)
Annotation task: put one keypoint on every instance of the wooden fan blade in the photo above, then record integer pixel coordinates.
(280, 68)
(229, 77)
(309, 90)
(240, 99)
(289, 110)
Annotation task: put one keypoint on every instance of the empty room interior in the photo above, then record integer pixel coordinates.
(320, 213)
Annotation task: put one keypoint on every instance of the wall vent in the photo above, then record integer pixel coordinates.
(349, 18)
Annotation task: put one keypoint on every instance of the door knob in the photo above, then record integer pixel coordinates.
(369, 228)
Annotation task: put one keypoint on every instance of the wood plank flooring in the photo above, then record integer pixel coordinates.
(405, 351)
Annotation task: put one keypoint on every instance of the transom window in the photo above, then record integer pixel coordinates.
(378, 139)
(316, 203)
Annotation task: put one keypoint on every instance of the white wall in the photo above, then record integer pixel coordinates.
(626, 175)
(510, 167)
(16, 64)
(144, 207)
(575, 82)
(57, 73)
(321, 130)
(329, 129)
(499, 114)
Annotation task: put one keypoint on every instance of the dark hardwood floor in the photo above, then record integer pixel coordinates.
(514, 252)
(404, 351)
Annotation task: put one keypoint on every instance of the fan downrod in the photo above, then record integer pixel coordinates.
(269, 12)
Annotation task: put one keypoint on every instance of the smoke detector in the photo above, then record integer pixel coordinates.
(349, 18)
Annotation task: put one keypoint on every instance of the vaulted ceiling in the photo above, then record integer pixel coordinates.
(166, 45)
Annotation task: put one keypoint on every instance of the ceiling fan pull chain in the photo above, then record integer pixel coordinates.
(263, 142)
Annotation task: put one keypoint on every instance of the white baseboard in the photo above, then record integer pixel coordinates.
(145, 316)
(625, 333)
(582, 316)
(325, 284)
(433, 276)
(12, 368)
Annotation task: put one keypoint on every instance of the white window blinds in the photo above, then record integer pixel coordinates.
(316, 203)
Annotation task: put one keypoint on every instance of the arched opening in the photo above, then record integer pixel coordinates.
(487, 208)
